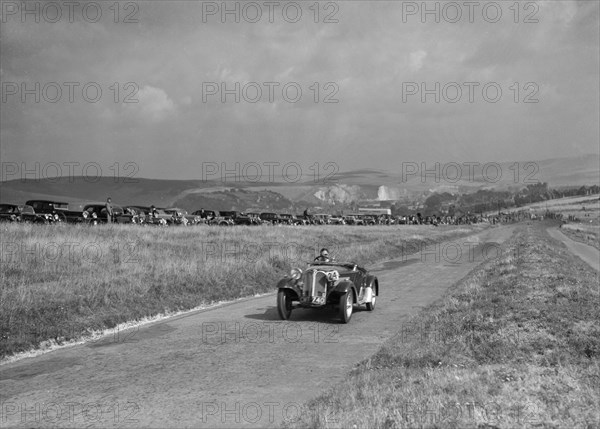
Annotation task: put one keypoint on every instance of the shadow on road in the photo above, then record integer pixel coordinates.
(320, 315)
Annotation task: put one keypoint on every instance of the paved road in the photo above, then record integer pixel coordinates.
(236, 365)
(587, 253)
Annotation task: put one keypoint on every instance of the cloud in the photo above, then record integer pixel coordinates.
(416, 60)
(367, 55)
(154, 103)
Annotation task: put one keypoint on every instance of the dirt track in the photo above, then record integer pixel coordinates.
(236, 365)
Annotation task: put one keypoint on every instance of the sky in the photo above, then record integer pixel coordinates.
(177, 89)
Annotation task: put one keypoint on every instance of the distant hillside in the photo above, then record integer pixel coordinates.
(406, 183)
(234, 199)
(77, 189)
(187, 194)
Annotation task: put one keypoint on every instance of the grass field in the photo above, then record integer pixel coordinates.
(61, 282)
(585, 214)
(581, 213)
(588, 234)
(585, 208)
(517, 344)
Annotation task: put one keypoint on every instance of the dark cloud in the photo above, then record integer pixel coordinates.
(169, 53)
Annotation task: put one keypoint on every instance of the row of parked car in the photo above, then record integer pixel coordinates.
(44, 211)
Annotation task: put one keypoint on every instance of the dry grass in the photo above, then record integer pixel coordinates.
(61, 282)
(516, 345)
(586, 209)
(584, 233)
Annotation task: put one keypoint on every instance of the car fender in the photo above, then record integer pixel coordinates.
(345, 286)
(373, 283)
(289, 284)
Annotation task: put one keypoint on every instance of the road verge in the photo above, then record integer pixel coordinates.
(516, 344)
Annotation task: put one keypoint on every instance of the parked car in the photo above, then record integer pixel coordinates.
(56, 209)
(352, 219)
(63, 212)
(337, 220)
(327, 285)
(255, 218)
(213, 217)
(153, 217)
(287, 218)
(221, 220)
(367, 219)
(300, 220)
(21, 213)
(137, 214)
(241, 218)
(229, 215)
(96, 213)
(401, 220)
(80, 215)
(205, 214)
(272, 218)
(181, 217)
(321, 219)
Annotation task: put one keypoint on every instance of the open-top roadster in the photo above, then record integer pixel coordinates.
(327, 285)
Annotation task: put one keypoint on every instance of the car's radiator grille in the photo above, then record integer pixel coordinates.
(320, 282)
(316, 279)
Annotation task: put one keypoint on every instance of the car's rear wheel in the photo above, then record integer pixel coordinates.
(284, 304)
(346, 303)
(371, 305)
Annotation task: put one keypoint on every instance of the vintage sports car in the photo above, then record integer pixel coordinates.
(327, 285)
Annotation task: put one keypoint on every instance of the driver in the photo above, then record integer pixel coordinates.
(323, 256)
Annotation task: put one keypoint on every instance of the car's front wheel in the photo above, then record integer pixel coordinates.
(346, 304)
(284, 304)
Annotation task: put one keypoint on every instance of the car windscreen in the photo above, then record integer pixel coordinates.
(40, 207)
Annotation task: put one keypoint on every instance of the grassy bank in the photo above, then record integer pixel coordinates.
(588, 234)
(517, 344)
(61, 282)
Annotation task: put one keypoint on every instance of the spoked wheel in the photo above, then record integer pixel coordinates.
(284, 305)
(346, 303)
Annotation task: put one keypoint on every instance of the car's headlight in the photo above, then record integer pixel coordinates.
(296, 273)
(333, 276)
(84, 214)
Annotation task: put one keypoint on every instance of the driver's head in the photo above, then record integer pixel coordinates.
(324, 253)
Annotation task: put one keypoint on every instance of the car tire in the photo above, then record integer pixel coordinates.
(371, 305)
(346, 304)
(284, 305)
